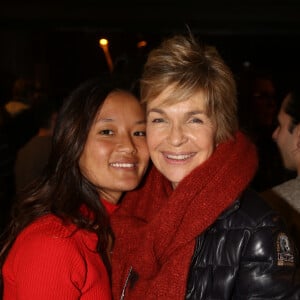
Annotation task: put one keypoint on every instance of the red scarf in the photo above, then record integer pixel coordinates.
(156, 226)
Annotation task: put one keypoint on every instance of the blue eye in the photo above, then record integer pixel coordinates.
(196, 120)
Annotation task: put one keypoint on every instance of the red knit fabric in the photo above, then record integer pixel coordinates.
(156, 227)
(51, 260)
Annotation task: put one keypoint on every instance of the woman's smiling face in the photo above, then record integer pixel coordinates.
(180, 136)
(115, 156)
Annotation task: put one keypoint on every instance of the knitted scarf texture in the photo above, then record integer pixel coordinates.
(156, 227)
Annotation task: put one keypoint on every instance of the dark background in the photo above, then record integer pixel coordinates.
(56, 42)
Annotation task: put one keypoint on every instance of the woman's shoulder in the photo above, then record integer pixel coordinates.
(47, 238)
(253, 204)
(251, 211)
(48, 247)
(45, 235)
(51, 231)
(49, 226)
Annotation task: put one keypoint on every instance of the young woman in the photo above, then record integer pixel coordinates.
(202, 234)
(59, 240)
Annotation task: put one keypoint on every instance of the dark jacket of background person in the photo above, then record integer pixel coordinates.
(21, 125)
(17, 126)
(33, 156)
(239, 258)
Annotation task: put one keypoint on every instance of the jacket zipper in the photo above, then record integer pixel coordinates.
(126, 283)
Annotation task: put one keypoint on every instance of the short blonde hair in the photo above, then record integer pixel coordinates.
(191, 67)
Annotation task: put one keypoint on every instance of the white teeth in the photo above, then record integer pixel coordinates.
(179, 157)
(122, 165)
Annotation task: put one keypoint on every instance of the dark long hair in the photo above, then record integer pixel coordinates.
(62, 189)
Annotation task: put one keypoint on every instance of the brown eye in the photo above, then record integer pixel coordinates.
(106, 132)
(140, 133)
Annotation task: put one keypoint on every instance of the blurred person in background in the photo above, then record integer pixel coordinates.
(33, 156)
(21, 111)
(258, 107)
(17, 126)
(285, 197)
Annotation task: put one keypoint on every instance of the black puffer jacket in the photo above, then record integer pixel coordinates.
(245, 254)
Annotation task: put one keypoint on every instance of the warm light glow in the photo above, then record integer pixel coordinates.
(103, 42)
(141, 44)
